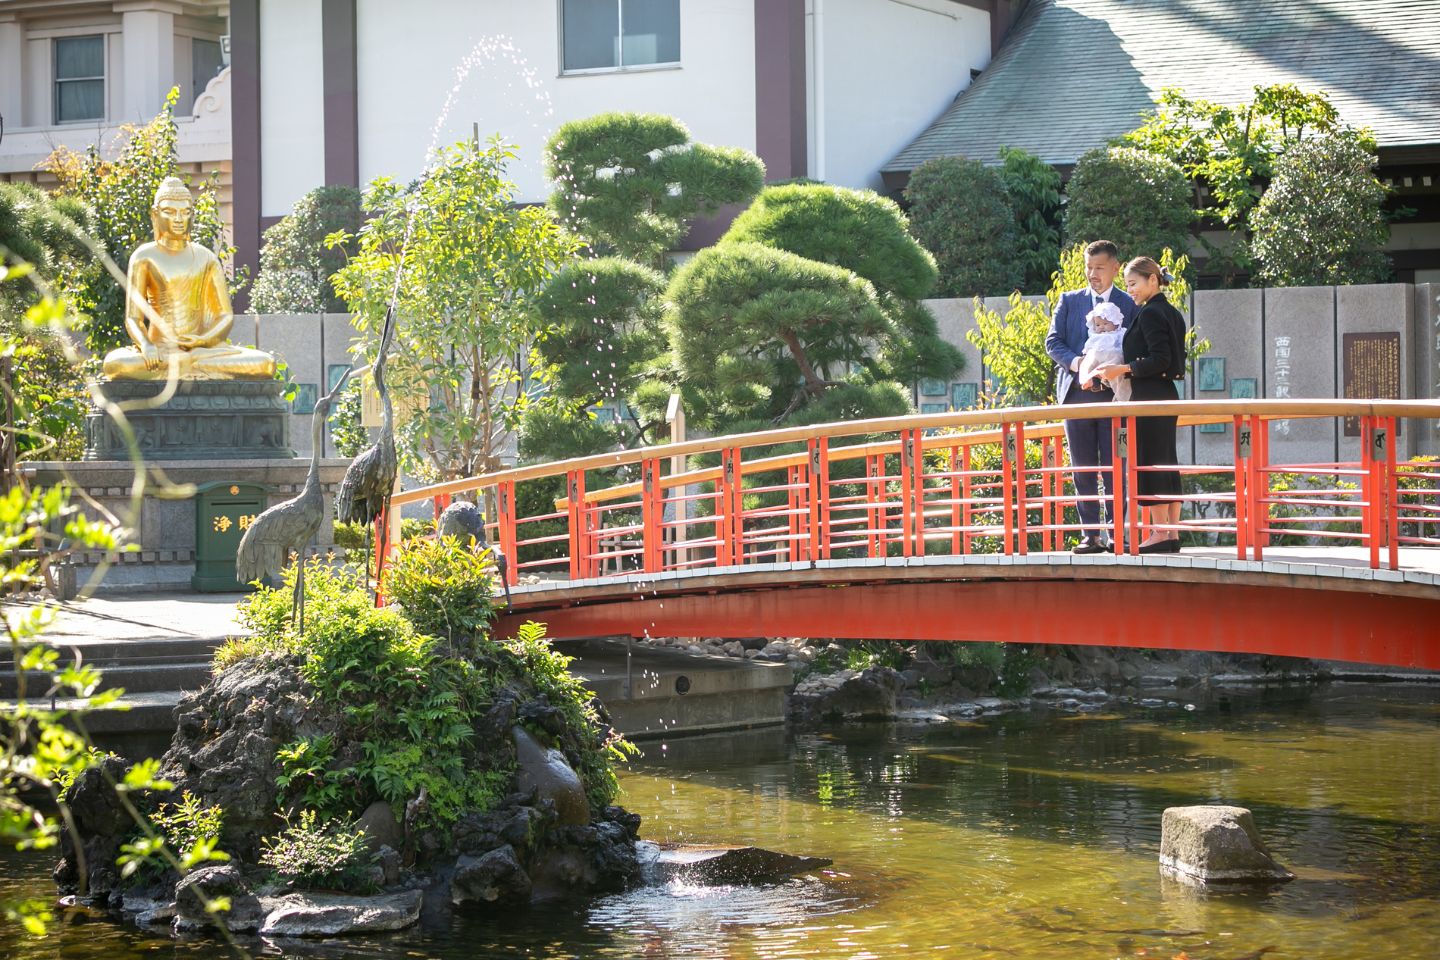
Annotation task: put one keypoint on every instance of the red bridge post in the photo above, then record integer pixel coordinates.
(652, 515)
(577, 524)
(731, 548)
(505, 521)
(819, 498)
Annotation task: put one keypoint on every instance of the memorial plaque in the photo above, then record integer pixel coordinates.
(1371, 369)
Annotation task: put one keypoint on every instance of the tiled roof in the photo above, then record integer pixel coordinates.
(1075, 73)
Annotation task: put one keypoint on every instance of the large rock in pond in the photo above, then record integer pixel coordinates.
(207, 884)
(847, 695)
(1210, 844)
(497, 875)
(330, 914)
(715, 863)
(545, 773)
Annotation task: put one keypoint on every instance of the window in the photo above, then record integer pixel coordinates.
(205, 62)
(616, 34)
(79, 78)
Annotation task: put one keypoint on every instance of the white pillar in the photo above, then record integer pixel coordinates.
(148, 32)
(12, 39)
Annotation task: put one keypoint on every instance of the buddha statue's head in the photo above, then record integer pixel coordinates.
(171, 211)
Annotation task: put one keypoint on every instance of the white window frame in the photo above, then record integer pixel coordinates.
(55, 80)
(622, 68)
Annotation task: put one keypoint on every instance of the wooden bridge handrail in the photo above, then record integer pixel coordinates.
(1219, 409)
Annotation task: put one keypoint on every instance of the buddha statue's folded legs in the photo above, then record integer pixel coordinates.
(224, 362)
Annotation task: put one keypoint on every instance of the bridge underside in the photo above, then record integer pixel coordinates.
(1273, 615)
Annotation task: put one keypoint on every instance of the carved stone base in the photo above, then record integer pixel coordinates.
(165, 529)
(204, 420)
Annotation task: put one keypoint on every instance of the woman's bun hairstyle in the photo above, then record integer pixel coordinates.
(1147, 267)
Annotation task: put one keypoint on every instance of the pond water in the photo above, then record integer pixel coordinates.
(1021, 836)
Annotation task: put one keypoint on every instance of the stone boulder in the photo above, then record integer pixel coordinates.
(497, 875)
(1209, 844)
(545, 773)
(331, 914)
(867, 695)
(713, 863)
(205, 885)
(380, 827)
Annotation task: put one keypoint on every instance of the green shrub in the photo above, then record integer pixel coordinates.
(1139, 200)
(349, 437)
(350, 536)
(443, 588)
(185, 827)
(330, 854)
(1033, 187)
(295, 263)
(407, 710)
(975, 654)
(306, 772)
(857, 230)
(961, 213)
(1322, 221)
(630, 182)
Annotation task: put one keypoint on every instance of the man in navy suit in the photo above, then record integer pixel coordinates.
(1088, 440)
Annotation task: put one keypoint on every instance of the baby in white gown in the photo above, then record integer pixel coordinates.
(1104, 348)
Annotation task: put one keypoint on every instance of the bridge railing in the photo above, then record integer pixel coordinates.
(989, 481)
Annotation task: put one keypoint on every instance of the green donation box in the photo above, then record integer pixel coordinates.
(223, 512)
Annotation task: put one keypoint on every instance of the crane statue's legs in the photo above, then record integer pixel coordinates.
(297, 605)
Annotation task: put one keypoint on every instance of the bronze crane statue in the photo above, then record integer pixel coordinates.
(288, 527)
(465, 521)
(370, 479)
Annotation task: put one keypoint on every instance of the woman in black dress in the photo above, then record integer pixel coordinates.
(1154, 360)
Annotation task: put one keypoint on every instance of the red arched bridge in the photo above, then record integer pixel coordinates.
(954, 527)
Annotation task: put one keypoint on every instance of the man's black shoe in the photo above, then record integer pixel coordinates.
(1090, 545)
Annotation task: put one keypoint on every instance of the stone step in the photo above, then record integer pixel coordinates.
(102, 652)
(137, 678)
(149, 713)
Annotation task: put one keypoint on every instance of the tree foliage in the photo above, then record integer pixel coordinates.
(295, 263)
(628, 182)
(604, 327)
(1230, 152)
(813, 290)
(747, 320)
(960, 212)
(857, 230)
(119, 195)
(471, 264)
(1033, 187)
(1139, 200)
(43, 233)
(1321, 220)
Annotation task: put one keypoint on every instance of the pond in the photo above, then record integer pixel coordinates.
(1027, 835)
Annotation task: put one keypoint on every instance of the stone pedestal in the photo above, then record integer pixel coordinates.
(204, 420)
(165, 527)
(1208, 844)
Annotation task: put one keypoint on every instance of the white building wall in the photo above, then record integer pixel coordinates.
(292, 101)
(408, 56)
(880, 72)
(131, 94)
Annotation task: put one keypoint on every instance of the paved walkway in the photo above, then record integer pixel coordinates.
(146, 616)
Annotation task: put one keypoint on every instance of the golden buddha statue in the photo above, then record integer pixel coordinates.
(177, 307)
